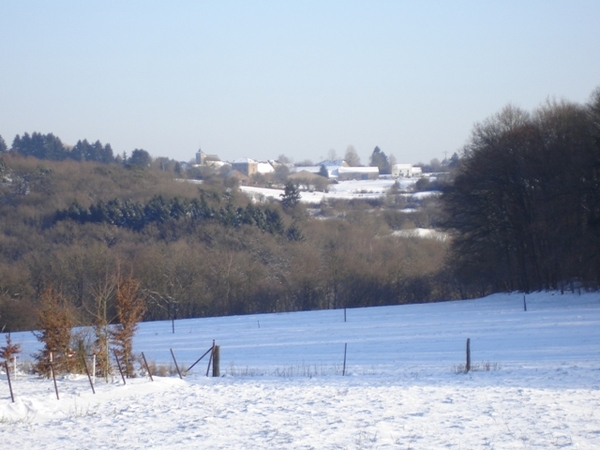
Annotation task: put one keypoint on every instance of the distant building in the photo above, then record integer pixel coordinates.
(340, 169)
(246, 166)
(358, 173)
(204, 159)
(265, 167)
(333, 163)
(405, 170)
(242, 178)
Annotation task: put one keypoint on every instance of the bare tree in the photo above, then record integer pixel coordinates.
(351, 157)
(282, 159)
(523, 206)
(102, 311)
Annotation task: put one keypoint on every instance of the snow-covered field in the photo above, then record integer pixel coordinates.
(537, 385)
(346, 190)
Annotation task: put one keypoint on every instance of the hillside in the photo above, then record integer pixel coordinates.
(201, 249)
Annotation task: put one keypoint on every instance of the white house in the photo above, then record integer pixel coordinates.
(405, 170)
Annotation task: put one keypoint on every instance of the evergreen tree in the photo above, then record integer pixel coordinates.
(107, 155)
(40, 146)
(3, 147)
(380, 160)
(290, 196)
(323, 171)
(454, 160)
(80, 151)
(139, 158)
(10, 349)
(54, 148)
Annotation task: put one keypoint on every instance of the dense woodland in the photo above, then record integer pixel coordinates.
(522, 206)
(196, 250)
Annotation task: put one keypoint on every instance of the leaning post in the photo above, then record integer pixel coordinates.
(84, 362)
(119, 367)
(176, 366)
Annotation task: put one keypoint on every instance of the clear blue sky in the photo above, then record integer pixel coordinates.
(264, 78)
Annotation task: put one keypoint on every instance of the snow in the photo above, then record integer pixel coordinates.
(346, 190)
(426, 233)
(537, 383)
(425, 194)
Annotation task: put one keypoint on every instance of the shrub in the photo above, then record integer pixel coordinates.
(55, 324)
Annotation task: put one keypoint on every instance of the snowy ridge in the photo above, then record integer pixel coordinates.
(283, 386)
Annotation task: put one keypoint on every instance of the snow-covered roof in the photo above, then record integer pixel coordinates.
(311, 169)
(335, 163)
(367, 170)
(243, 161)
(265, 167)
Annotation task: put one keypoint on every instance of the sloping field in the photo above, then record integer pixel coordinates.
(536, 384)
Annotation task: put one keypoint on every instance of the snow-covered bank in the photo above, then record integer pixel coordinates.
(283, 386)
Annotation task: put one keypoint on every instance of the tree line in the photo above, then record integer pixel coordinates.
(524, 204)
(50, 147)
(137, 215)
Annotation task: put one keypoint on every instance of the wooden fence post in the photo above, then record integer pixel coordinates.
(147, 368)
(12, 397)
(199, 359)
(88, 373)
(216, 372)
(119, 367)
(210, 359)
(176, 366)
(53, 375)
(468, 366)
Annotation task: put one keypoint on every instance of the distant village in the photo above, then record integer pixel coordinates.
(247, 169)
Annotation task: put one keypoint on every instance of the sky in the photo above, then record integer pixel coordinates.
(261, 79)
